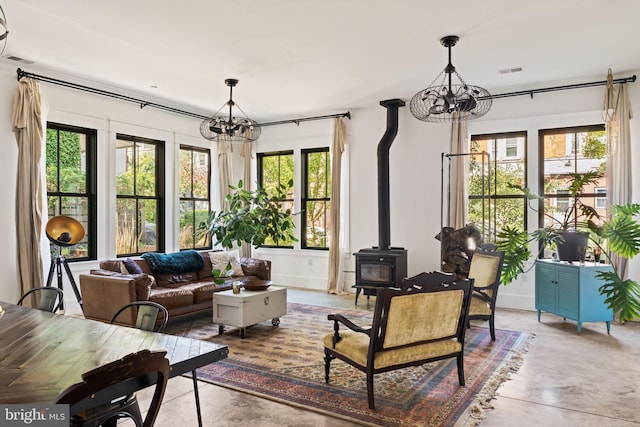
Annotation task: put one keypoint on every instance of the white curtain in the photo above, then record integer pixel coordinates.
(247, 155)
(335, 282)
(458, 185)
(29, 132)
(617, 115)
(225, 170)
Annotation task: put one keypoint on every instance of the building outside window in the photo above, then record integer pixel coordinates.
(566, 151)
(493, 201)
(139, 195)
(316, 198)
(71, 183)
(194, 190)
(276, 169)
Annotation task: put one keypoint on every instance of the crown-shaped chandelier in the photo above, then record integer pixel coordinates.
(4, 31)
(234, 129)
(440, 103)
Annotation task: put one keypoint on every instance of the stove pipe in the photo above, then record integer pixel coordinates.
(384, 220)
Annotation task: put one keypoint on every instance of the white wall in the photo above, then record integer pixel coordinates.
(415, 162)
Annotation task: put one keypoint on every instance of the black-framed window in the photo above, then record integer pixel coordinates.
(497, 161)
(194, 189)
(316, 198)
(274, 170)
(71, 183)
(567, 151)
(139, 195)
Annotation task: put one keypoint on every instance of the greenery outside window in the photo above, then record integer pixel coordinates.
(139, 195)
(194, 208)
(491, 196)
(276, 169)
(71, 183)
(316, 198)
(571, 150)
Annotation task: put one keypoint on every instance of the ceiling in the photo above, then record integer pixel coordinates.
(296, 58)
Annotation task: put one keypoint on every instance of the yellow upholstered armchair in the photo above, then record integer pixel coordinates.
(485, 269)
(423, 322)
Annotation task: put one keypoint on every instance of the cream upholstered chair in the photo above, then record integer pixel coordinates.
(485, 269)
(421, 323)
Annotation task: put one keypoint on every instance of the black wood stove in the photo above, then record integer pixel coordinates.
(382, 265)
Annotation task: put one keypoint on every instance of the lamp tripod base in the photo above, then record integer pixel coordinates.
(57, 264)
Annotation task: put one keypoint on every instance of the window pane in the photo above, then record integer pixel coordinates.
(186, 169)
(187, 221)
(317, 226)
(277, 169)
(145, 170)
(52, 160)
(125, 172)
(147, 226)
(194, 196)
(126, 230)
(318, 176)
(200, 175)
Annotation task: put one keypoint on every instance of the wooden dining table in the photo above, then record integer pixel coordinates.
(42, 353)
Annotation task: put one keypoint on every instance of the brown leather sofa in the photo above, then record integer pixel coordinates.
(111, 287)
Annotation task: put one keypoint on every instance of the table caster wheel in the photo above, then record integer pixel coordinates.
(241, 332)
(220, 329)
(275, 321)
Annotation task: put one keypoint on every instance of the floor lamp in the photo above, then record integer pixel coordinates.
(63, 231)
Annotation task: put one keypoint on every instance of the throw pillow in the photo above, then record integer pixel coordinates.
(221, 259)
(132, 266)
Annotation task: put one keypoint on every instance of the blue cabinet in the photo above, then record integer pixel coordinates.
(571, 291)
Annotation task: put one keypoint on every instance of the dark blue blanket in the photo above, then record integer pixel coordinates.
(178, 262)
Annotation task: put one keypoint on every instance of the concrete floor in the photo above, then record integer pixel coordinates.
(566, 379)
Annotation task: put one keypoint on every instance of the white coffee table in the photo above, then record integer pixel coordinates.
(249, 307)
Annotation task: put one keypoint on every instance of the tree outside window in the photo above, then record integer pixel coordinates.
(70, 175)
(139, 195)
(276, 169)
(493, 201)
(195, 175)
(316, 198)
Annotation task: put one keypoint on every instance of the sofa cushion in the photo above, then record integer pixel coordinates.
(256, 267)
(175, 280)
(171, 298)
(177, 262)
(221, 260)
(143, 282)
(115, 265)
(203, 291)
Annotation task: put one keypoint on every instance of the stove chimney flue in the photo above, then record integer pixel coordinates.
(384, 209)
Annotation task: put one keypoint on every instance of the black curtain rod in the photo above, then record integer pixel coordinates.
(530, 92)
(143, 103)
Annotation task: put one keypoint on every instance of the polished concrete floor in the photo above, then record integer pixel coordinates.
(566, 379)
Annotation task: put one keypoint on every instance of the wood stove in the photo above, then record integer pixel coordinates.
(382, 265)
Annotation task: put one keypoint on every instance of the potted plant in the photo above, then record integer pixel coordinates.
(252, 217)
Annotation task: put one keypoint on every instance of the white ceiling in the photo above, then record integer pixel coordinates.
(296, 58)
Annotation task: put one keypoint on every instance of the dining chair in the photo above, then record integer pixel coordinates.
(48, 298)
(107, 393)
(423, 322)
(485, 269)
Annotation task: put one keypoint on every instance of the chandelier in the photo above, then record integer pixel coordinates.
(234, 129)
(448, 101)
(4, 31)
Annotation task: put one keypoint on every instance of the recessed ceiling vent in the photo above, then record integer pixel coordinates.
(18, 59)
(510, 70)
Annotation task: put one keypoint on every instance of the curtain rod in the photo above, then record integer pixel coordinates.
(143, 103)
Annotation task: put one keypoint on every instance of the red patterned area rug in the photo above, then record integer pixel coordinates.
(285, 364)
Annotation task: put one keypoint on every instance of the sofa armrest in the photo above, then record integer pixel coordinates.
(103, 296)
(261, 268)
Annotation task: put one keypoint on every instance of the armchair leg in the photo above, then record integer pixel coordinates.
(460, 361)
(372, 404)
(492, 329)
(327, 363)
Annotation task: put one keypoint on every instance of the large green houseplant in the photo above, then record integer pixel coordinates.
(251, 217)
(619, 234)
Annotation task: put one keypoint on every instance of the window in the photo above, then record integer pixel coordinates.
(316, 198)
(139, 195)
(497, 162)
(195, 176)
(275, 169)
(71, 177)
(566, 151)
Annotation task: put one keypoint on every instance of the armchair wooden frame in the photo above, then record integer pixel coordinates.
(486, 270)
(423, 322)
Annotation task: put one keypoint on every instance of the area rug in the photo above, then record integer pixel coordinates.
(285, 363)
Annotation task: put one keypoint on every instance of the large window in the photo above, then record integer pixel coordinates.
(275, 170)
(566, 151)
(139, 195)
(316, 198)
(195, 174)
(497, 164)
(70, 169)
